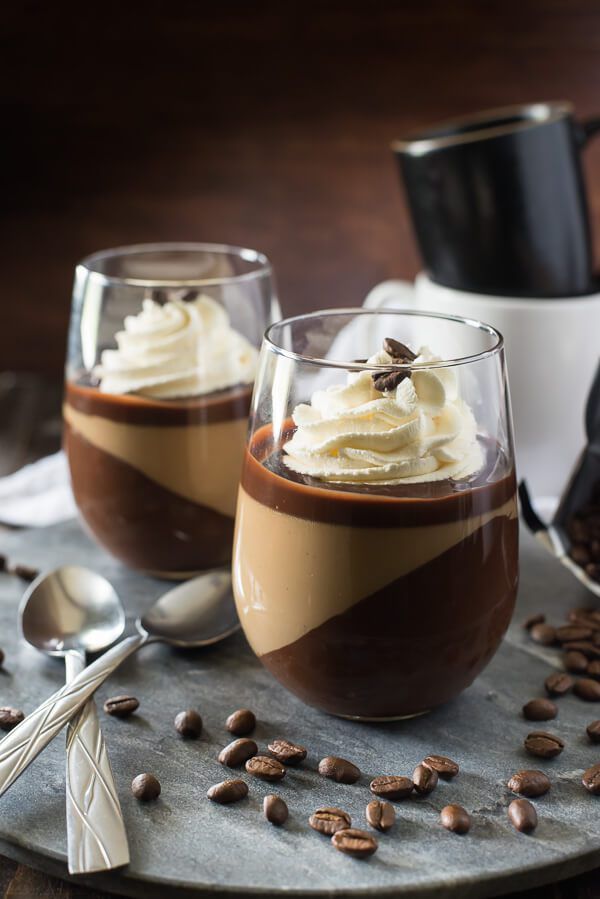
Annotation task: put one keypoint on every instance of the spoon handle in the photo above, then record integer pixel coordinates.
(97, 840)
(22, 744)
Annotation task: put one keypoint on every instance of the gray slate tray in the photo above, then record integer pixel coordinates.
(184, 843)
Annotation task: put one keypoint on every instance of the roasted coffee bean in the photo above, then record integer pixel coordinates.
(529, 783)
(444, 766)
(228, 791)
(188, 723)
(543, 633)
(539, 710)
(25, 572)
(357, 843)
(534, 619)
(455, 818)
(591, 779)
(584, 616)
(580, 554)
(558, 683)
(10, 717)
(522, 815)
(392, 786)
(3, 563)
(287, 753)
(587, 689)
(425, 780)
(576, 662)
(340, 770)
(241, 722)
(265, 768)
(380, 814)
(121, 706)
(596, 638)
(398, 350)
(329, 820)
(275, 809)
(543, 745)
(593, 669)
(570, 632)
(1, 658)
(593, 570)
(584, 646)
(388, 380)
(237, 752)
(593, 731)
(145, 787)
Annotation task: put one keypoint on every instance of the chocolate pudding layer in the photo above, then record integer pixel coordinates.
(374, 601)
(156, 480)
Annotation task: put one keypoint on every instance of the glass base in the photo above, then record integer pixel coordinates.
(390, 718)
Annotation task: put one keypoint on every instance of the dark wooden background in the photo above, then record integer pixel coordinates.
(265, 124)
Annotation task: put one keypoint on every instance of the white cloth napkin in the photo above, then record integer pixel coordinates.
(38, 494)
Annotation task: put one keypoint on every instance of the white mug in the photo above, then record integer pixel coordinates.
(552, 351)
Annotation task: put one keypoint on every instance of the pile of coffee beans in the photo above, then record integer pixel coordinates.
(584, 532)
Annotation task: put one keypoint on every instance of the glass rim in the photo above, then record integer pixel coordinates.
(264, 267)
(388, 366)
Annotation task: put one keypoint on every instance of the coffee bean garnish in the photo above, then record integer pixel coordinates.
(287, 753)
(338, 769)
(145, 787)
(188, 723)
(444, 766)
(121, 706)
(228, 791)
(237, 752)
(587, 689)
(380, 814)
(357, 843)
(539, 710)
(543, 745)
(529, 783)
(591, 779)
(241, 722)
(425, 780)
(401, 355)
(398, 350)
(534, 619)
(455, 818)
(10, 717)
(570, 632)
(593, 731)
(576, 662)
(593, 669)
(329, 820)
(543, 634)
(275, 809)
(392, 786)
(558, 683)
(265, 768)
(522, 815)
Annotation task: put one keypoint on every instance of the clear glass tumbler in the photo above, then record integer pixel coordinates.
(376, 549)
(162, 353)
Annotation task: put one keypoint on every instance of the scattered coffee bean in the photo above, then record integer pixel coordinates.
(582, 616)
(10, 717)
(265, 768)
(591, 779)
(558, 683)
(237, 752)
(529, 783)
(444, 766)
(287, 753)
(188, 723)
(570, 632)
(1, 658)
(228, 791)
(340, 770)
(392, 786)
(121, 706)
(539, 710)
(543, 633)
(522, 815)
(576, 662)
(329, 820)
(584, 646)
(275, 809)
(380, 814)
(3, 563)
(357, 843)
(593, 731)
(455, 818)
(534, 619)
(425, 780)
(543, 745)
(25, 572)
(587, 689)
(241, 722)
(593, 669)
(145, 787)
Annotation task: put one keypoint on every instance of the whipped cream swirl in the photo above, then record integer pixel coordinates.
(420, 431)
(178, 349)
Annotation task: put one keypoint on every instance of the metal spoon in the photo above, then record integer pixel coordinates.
(196, 613)
(69, 612)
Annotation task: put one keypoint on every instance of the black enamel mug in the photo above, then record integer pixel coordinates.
(498, 201)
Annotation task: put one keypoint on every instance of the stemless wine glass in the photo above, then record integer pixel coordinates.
(385, 481)
(161, 360)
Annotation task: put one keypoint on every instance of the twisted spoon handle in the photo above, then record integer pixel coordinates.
(19, 748)
(95, 829)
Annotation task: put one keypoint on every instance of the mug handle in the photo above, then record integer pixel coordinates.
(586, 130)
(391, 293)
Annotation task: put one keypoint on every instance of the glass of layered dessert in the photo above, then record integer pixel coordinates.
(162, 354)
(375, 557)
